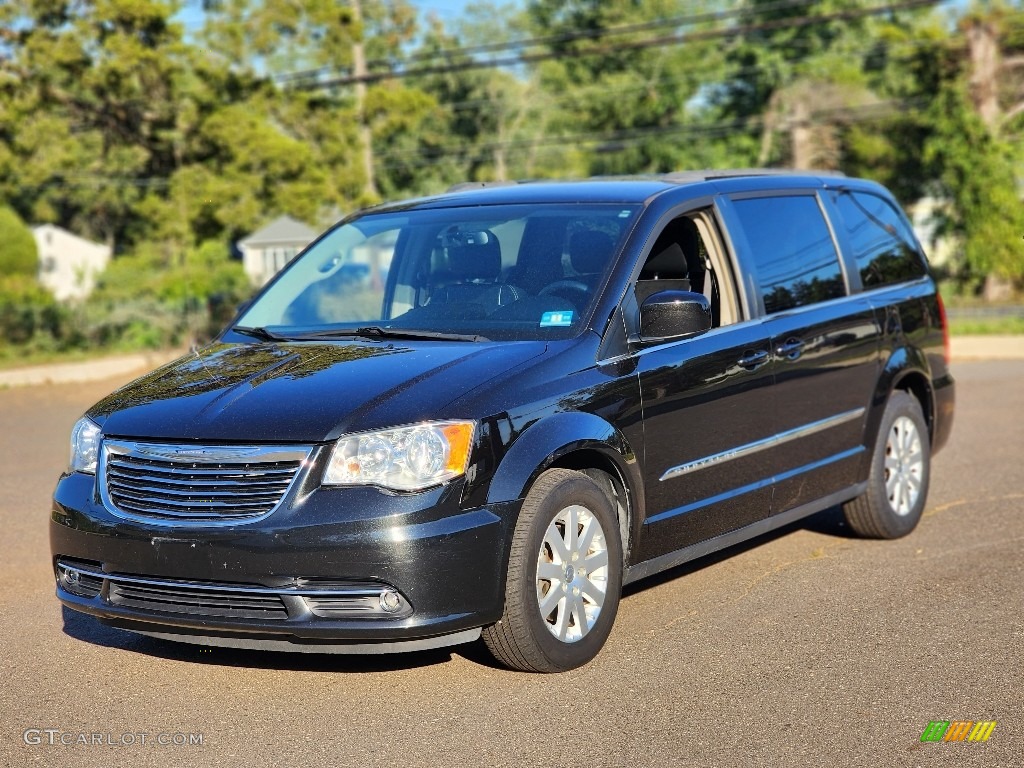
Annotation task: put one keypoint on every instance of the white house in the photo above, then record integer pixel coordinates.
(267, 250)
(68, 264)
(924, 217)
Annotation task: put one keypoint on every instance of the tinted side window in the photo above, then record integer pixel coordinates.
(882, 245)
(794, 255)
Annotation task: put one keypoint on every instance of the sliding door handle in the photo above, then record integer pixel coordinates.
(791, 349)
(752, 360)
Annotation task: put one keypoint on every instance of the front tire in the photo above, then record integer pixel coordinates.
(564, 577)
(900, 469)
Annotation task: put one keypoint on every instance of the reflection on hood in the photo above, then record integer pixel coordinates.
(303, 391)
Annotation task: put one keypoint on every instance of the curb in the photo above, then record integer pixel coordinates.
(967, 348)
(86, 371)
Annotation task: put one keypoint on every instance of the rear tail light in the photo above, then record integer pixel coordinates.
(945, 327)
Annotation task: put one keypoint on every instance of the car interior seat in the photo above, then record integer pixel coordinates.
(668, 268)
(473, 269)
(589, 252)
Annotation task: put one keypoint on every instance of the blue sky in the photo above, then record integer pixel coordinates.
(447, 10)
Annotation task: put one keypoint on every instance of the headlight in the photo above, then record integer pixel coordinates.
(403, 459)
(85, 446)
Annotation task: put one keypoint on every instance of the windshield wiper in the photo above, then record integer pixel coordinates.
(259, 333)
(380, 332)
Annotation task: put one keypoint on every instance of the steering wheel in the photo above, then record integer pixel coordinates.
(575, 291)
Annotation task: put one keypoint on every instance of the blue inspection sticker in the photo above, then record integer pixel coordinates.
(556, 319)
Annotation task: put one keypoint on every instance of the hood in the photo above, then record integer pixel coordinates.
(302, 391)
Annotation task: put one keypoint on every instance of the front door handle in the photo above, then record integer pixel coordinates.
(752, 360)
(791, 349)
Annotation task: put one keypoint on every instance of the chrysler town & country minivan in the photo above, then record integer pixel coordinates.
(485, 412)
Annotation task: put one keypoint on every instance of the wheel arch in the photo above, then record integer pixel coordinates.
(582, 442)
(602, 470)
(907, 370)
(915, 383)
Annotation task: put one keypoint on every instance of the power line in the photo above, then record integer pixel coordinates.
(677, 75)
(627, 45)
(628, 135)
(621, 136)
(415, 158)
(637, 135)
(559, 39)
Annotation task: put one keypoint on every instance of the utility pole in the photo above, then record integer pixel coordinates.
(983, 50)
(801, 135)
(365, 136)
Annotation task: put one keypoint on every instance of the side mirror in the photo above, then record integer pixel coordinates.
(668, 315)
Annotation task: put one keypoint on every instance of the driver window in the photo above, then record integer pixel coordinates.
(686, 256)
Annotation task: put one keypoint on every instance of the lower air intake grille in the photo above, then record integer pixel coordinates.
(197, 484)
(300, 599)
(195, 601)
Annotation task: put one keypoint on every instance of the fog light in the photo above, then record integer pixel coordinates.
(70, 575)
(390, 601)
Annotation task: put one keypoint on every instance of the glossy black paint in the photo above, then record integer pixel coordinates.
(699, 400)
(668, 315)
(333, 533)
(302, 391)
(599, 402)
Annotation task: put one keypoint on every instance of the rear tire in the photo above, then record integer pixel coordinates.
(900, 469)
(564, 577)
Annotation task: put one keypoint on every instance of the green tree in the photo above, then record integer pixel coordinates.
(18, 252)
(306, 44)
(90, 94)
(284, 37)
(492, 120)
(976, 173)
(907, 65)
(628, 87)
(955, 138)
(809, 73)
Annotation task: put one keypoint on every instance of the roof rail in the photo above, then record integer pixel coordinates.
(462, 186)
(733, 173)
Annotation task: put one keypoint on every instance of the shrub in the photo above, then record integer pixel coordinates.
(18, 252)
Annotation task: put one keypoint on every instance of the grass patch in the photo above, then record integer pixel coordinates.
(24, 358)
(21, 358)
(986, 326)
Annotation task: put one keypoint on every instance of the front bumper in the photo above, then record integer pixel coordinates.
(311, 576)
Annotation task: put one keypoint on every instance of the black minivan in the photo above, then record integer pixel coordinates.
(483, 413)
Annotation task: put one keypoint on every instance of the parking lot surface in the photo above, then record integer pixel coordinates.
(805, 647)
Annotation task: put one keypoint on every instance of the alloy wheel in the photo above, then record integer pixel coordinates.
(904, 465)
(572, 573)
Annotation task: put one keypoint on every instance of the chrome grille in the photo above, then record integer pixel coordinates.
(197, 484)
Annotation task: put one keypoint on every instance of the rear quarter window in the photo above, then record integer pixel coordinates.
(880, 240)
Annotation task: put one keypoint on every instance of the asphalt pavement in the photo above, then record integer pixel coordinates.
(807, 647)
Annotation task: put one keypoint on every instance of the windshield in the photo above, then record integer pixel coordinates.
(484, 272)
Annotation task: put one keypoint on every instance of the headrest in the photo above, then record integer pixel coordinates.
(669, 263)
(590, 250)
(675, 252)
(475, 256)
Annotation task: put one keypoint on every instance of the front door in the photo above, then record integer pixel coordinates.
(708, 418)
